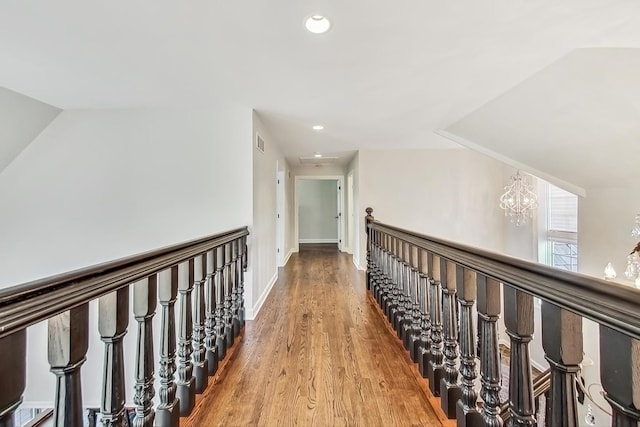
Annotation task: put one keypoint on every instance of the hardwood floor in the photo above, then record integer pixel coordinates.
(317, 355)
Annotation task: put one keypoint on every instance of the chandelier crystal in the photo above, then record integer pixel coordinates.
(635, 232)
(518, 201)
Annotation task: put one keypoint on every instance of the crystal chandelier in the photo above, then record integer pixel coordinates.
(518, 201)
(632, 272)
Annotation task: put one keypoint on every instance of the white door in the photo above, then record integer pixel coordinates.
(280, 219)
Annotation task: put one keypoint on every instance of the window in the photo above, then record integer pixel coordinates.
(560, 235)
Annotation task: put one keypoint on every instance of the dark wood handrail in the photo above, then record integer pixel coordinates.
(26, 304)
(610, 304)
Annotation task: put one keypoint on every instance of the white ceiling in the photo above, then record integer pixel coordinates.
(388, 74)
(577, 122)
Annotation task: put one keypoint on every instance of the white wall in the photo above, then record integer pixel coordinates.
(605, 219)
(21, 120)
(99, 185)
(264, 255)
(358, 213)
(317, 210)
(446, 193)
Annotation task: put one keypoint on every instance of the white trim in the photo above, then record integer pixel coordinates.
(253, 312)
(516, 164)
(357, 266)
(317, 240)
(38, 404)
(296, 235)
(286, 259)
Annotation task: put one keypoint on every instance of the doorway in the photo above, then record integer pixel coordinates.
(318, 218)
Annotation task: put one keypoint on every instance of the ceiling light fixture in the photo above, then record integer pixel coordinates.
(518, 200)
(317, 155)
(318, 127)
(317, 24)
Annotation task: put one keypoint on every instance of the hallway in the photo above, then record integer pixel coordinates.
(318, 354)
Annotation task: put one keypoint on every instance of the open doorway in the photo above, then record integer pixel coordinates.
(319, 211)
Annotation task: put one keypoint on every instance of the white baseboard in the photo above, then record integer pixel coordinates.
(286, 259)
(253, 312)
(357, 266)
(317, 240)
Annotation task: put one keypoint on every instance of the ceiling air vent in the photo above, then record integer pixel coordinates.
(259, 143)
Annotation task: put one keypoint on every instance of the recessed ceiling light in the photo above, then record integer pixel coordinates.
(317, 155)
(318, 127)
(317, 24)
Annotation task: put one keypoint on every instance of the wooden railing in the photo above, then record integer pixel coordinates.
(428, 288)
(206, 279)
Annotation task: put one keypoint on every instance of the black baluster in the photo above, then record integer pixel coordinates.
(562, 343)
(68, 343)
(467, 412)
(435, 369)
(488, 314)
(113, 319)
(518, 320)
(450, 391)
(145, 294)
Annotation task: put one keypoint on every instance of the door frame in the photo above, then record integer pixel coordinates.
(340, 179)
(280, 217)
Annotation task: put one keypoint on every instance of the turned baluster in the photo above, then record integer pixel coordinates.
(450, 391)
(235, 280)
(67, 349)
(113, 319)
(435, 369)
(145, 294)
(167, 412)
(562, 343)
(467, 412)
(392, 298)
(242, 267)
(188, 273)
(376, 263)
(409, 300)
(228, 288)
(210, 357)
(13, 372)
(200, 276)
(383, 293)
(416, 294)
(424, 345)
(221, 342)
(518, 320)
(401, 310)
(488, 315)
(369, 232)
(620, 376)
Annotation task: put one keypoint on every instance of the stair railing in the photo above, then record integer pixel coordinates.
(471, 276)
(197, 287)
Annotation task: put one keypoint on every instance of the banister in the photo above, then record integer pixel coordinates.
(607, 303)
(27, 304)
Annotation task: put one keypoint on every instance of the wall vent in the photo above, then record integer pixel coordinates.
(259, 143)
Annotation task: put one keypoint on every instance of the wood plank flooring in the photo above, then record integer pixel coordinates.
(317, 355)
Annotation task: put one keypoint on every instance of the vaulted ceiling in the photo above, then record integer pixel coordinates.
(387, 75)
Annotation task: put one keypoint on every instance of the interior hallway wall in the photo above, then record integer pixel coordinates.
(450, 194)
(264, 249)
(104, 184)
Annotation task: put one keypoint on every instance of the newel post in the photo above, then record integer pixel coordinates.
(368, 219)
